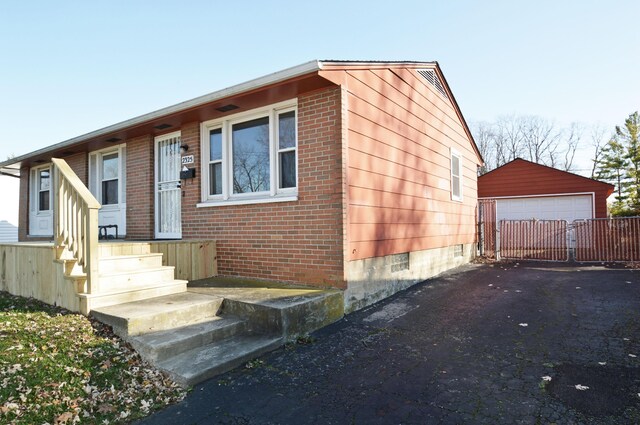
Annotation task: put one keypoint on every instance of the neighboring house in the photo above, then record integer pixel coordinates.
(354, 175)
(526, 190)
(8, 232)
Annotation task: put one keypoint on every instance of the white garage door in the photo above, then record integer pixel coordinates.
(568, 208)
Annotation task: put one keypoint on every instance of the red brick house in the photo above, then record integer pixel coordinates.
(525, 190)
(354, 175)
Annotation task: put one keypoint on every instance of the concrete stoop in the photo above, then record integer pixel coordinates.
(196, 335)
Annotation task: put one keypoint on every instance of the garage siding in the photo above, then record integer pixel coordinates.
(567, 208)
(524, 178)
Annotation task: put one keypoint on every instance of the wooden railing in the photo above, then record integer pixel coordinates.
(76, 220)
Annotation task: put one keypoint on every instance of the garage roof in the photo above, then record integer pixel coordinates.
(521, 178)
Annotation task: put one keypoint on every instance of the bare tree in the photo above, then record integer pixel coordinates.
(484, 135)
(528, 137)
(509, 139)
(600, 136)
(572, 137)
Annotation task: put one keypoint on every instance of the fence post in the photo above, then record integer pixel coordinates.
(571, 257)
(498, 224)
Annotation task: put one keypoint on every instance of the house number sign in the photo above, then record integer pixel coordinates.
(188, 159)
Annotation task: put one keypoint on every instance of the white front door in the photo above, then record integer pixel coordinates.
(107, 183)
(41, 202)
(167, 183)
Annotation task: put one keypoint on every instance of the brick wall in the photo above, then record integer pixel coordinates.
(78, 164)
(140, 191)
(298, 241)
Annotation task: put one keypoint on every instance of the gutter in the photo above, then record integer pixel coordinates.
(2, 173)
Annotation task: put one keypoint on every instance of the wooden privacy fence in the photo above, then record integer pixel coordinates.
(607, 239)
(534, 240)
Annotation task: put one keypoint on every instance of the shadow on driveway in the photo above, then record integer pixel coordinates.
(503, 343)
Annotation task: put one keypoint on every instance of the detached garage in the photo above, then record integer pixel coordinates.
(525, 190)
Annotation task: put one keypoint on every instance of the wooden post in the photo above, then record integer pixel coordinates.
(91, 252)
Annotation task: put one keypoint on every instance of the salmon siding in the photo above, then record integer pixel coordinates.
(401, 133)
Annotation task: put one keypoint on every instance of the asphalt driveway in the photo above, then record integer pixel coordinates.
(491, 344)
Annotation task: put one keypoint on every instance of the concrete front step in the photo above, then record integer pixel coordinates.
(157, 314)
(204, 362)
(159, 346)
(124, 263)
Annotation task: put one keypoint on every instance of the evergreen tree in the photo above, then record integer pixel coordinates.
(619, 165)
(628, 135)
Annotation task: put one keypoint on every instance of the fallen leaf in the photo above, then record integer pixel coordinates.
(63, 418)
(106, 408)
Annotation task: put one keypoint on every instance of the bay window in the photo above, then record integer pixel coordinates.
(250, 157)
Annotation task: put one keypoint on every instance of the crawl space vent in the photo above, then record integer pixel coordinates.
(399, 262)
(431, 76)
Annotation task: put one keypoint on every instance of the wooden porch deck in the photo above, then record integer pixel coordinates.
(32, 269)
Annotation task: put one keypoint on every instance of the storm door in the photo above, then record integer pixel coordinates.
(167, 186)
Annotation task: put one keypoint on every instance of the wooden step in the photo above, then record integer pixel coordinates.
(114, 281)
(123, 263)
(113, 298)
(114, 249)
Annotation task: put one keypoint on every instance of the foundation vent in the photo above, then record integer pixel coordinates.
(431, 76)
(399, 262)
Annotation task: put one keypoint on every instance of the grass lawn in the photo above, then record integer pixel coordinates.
(58, 367)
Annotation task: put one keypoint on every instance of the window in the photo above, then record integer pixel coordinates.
(215, 162)
(44, 189)
(287, 149)
(250, 147)
(252, 156)
(456, 176)
(109, 176)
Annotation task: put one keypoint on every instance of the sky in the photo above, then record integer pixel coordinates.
(71, 67)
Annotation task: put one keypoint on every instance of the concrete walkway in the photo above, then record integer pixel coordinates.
(477, 345)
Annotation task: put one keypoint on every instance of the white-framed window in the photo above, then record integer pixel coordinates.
(456, 175)
(41, 188)
(106, 175)
(251, 157)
